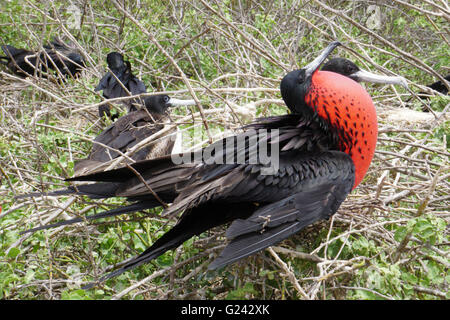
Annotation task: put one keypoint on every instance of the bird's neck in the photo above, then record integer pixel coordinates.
(349, 113)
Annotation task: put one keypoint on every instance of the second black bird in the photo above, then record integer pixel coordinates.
(119, 82)
(131, 129)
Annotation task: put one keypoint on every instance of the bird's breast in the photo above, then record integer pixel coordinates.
(348, 110)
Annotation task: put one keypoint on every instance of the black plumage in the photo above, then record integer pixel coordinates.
(342, 66)
(265, 207)
(67, 58)
(57, 55)
(21, 62)
(131, 129)
(147, 116)
(439, 86)
(119, 82)
(436, 86)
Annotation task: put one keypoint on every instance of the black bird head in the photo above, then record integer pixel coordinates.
(349, 69)
(115, 61)
(342, 66)
(159, 104)
(296, 84)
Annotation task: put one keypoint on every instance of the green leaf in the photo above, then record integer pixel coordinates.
(242, 293)
(29, 276)
(13, 252)
(79, 294)
(400, 234)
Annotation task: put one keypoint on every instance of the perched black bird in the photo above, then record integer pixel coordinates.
(131, 129)
(58, 56)
(436, 86)
(119, 82)
(439, 86)
(315, 156)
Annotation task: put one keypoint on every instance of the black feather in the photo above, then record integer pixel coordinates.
(249, 244)
(105, 214)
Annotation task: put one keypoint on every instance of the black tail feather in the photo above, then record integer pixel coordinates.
(248, 244)
(106, 214)
(125, 173)
(193, 222)
(69, 190)
(170, 240)
(94, 191)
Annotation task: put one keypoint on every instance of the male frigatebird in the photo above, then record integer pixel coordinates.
(324, 148)
(119, 82)
(57, 55)
(131, 129)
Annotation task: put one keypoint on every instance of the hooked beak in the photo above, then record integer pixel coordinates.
(316, 63)
(367, 76)
(178, 102)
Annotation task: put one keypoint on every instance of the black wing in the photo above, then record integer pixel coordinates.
(277, 221)
(124, 134)
(119, 82)
(266, 209)
(65, 58)
(309, 185)
(62, 57)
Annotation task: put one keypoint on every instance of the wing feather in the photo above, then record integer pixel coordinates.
(318, 199)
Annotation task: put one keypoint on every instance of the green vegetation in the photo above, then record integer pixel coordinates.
(388, 241)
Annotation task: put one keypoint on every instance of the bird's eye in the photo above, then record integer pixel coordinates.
(351, 69)
(166, 98)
